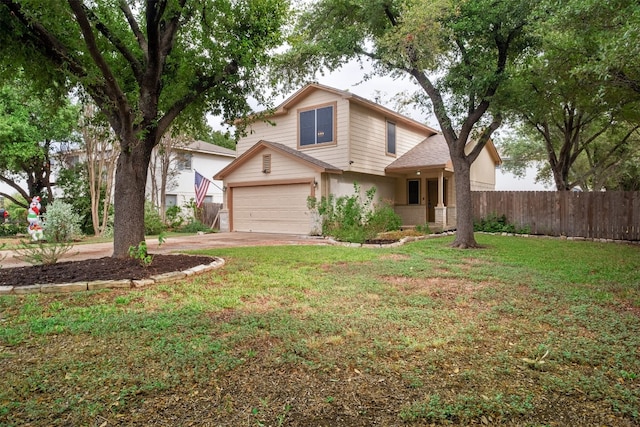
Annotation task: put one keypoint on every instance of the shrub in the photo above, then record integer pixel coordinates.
(498, 224)
(11, 229)
(141, 254)
(194, 226)
(42, 253)
(17, 213)
(383, 218)
(62, 223)
(152, 221)
(173, 216)
(354, 218)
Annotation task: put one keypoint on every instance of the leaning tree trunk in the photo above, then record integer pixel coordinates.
(464, 210)
(129, 197)
(560, 172)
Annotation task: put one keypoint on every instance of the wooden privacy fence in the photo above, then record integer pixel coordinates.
(209, 213)
(597, 215)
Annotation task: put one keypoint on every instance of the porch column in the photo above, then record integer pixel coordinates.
(441, 189)
(441, 210)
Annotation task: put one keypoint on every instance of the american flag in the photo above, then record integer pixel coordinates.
(201, 186)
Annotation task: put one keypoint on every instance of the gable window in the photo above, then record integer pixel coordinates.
(316, 126)
(183, 161)
(266, 163)
(391, 138)
(413, 196)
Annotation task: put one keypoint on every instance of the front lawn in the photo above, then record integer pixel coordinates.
(526, 331)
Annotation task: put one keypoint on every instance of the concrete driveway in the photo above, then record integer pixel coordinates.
(180, 243)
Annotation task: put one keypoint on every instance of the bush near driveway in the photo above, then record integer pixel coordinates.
(354, 218)
(523, 332)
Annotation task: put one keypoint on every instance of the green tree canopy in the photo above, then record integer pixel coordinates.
(145, 64)
(576, 111)
(33, 124)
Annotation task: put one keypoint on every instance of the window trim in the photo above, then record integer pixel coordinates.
(334, 141)
(184, 161)
(395, 139)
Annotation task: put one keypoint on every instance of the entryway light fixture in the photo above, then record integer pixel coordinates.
(417, 172)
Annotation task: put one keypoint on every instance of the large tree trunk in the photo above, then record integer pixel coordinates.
(560, 170)
(129, 197)
(464, 211)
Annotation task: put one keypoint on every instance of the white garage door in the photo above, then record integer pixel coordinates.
(272, 209)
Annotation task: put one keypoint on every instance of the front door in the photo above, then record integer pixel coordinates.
(432, 199)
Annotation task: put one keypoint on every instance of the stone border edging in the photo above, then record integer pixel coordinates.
(170, 277)
(569, 238)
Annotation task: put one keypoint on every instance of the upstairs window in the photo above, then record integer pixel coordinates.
(183, 161)
(391, 138)
(316, 126)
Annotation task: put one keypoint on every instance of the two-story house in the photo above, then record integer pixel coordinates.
(319, 142)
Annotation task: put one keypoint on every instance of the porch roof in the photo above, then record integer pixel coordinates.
(431, 153)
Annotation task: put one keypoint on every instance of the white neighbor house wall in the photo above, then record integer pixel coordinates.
(207, 159)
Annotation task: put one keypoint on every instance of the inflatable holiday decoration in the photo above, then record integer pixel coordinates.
(33, 216)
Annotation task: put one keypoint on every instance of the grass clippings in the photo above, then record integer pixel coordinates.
(529, 332)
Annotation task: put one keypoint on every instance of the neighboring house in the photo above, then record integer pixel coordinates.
(200, 156)
(319, 142)
(207, 159)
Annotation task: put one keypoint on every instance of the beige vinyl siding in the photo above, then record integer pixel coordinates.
(482, 173)
(406, 139)
(342, 185)
(369, 138)
(282, 168)
(285, 130)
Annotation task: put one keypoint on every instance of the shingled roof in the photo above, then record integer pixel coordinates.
(433, 152)
(207, 147)
(302, 156)
(283, 149)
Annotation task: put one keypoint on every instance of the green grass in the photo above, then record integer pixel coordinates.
(519, 332)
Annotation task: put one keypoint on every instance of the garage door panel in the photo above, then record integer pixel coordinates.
(272, 209)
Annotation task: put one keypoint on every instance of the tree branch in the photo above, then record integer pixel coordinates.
(113, 91)
(46, 42)
(142, 42)
(390, 16)
(16, 187)
(438, 105)
(170, 31)
(135, 64)
(484, 138)
(202, 85)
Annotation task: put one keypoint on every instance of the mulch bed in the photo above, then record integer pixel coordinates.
(106, 268)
